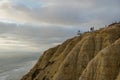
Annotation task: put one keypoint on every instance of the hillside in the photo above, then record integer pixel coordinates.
(90, 56)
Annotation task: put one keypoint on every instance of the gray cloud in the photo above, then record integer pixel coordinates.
(33, 36)
(48, 22)
(4, 28)
(68, 12)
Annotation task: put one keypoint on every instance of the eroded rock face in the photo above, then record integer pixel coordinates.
(105, 65)
(91, 56)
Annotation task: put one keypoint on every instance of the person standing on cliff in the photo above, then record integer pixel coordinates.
(92, 29)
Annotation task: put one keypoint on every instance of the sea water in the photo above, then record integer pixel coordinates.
(17, 64)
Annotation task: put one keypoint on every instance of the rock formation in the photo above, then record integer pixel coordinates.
(90, 56)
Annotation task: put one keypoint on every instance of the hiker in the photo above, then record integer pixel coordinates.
(78, 33)
(92, 29)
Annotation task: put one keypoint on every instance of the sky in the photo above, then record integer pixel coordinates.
(36, 25)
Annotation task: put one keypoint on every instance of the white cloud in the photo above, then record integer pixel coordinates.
(32, 37)
(44, 23)
(60, 12)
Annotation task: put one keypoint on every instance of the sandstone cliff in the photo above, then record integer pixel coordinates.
(90, 56)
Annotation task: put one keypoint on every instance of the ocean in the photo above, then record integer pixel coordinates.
(13, 65)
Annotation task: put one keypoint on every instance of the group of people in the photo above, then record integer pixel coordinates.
(91, 30)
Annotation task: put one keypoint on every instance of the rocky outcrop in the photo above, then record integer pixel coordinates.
(90, 56)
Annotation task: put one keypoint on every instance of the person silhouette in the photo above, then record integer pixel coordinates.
(92, 29)
(78, 33)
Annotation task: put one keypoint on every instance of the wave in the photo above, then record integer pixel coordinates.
(18, 71)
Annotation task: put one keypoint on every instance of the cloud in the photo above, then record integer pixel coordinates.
(32, 37)
(62, 12)
(45, 23)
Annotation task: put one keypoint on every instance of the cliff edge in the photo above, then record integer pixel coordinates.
(90, 56)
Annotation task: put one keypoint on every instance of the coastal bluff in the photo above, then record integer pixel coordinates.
(90, 56)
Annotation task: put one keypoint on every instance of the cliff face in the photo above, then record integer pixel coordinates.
(91, 56)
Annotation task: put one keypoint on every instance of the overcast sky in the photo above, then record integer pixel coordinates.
(35, 25)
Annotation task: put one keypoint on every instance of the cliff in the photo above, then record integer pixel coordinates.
(90, 56)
